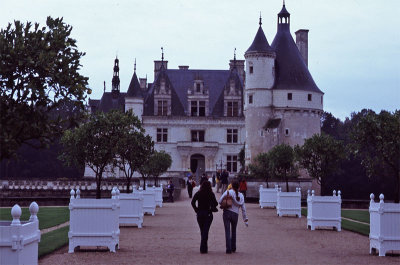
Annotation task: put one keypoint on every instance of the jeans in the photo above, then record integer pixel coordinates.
(204, 219)
(230, 222)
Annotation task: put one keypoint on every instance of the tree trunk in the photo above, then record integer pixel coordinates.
(98, 184)
(128, 184)
(144, 183)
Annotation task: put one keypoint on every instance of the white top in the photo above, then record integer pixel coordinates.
(236, 204)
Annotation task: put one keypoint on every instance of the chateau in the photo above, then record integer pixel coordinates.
(203, 118)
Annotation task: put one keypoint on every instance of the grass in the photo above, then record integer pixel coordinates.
(48, 216)
(53, 240)
(357, 215)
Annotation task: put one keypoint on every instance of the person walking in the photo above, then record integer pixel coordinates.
(224, 180)
(218, 180)
(243, 187)
(230, 216)
(189, 184)
(170, 190)
(206, 205)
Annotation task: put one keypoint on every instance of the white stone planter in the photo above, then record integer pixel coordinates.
(324, 211)
(268, 196)
(289, 203)
(93, 222)
(131, 211)
(149, 201)
(19, 241)
(384, 233)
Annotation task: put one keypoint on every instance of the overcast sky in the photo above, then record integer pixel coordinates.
(354, 45)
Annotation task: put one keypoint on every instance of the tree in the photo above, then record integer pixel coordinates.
(94, 143)
(376, 140)
(242, 159)
(260, 167)
(158, 163)
(133, 147)
(281, 162)
(38, 76)
(320, 155)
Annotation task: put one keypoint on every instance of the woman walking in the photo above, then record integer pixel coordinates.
(206, 204)
(231, 214)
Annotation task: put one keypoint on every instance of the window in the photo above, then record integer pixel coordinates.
(309, 97)
(231, 163)
(162, 109)
(233, 109)
(289, 96)
(232, 135)
(197, 136)
(198, 108)
(286, 132)
(250, 99)
(251, 69)
(198, 88)
(162, 135)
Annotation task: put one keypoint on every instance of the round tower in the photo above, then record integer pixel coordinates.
(260, 78)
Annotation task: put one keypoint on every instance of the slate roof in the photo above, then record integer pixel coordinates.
(260, 43)
(109, 102)
(290, 68)
(134, 89)
(180, 80)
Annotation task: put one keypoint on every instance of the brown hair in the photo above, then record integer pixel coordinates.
(235, 187)
(206, 187)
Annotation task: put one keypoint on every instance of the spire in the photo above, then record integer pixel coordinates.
(162, 54)
(260, 23)
(115, 80)
(284, 18)
(260, 43)
(104, 86)
(234, 58)
(134, 68)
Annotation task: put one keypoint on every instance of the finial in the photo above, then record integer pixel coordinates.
(134, 68)
(104, 86)
(283, 2)
(33, 209)
(234, 55)
(16, 214)
(260, 23)
(162, 54)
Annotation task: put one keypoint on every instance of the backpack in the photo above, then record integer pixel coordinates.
(226, 202)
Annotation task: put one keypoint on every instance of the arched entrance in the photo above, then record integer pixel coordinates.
(198, 166)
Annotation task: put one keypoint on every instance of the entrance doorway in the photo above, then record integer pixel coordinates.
(198, 166)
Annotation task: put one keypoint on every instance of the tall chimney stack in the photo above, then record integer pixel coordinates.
(302, 43)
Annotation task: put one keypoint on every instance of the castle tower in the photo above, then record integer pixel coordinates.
(260, 79)
(134, 96)
(115, 80)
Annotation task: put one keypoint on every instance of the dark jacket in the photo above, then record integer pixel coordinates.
(224, 177)
(206, 201)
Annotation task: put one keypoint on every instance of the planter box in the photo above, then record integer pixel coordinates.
(289, 203)
(158, 193)
(19, 241)
(268, 197)
(149, 201)
(384, 233)
(131, 209)
(324, 211)
(93, 222)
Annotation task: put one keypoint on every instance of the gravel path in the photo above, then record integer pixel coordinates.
(172, 237)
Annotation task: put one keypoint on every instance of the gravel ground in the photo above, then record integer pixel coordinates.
(172, 236)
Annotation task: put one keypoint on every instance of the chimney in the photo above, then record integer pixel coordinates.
(157, 66)
(302, 43)
(183, 67)
(143, 82)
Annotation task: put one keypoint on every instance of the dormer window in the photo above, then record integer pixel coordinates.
(198, 108)
(162, 108)
(232, 109)
(198, 88)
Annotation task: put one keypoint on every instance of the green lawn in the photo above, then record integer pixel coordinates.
(358, 215)
(48, 216)
(53, 240)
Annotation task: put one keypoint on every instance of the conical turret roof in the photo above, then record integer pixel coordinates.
(260, 43)
(134, 89)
